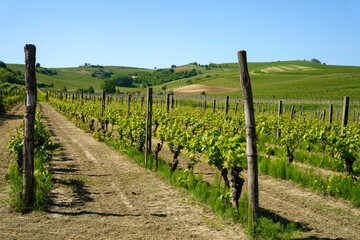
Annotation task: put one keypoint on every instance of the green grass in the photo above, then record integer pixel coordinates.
(270, 80)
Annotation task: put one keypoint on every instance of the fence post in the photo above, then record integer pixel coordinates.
(129, 102)
(29, 125)
(214, 105)
(251, 148)
(331, 112)
(345, 114)
(167, 103)
(279, 115)
(148, 124)
(102, 111)
(226, 105)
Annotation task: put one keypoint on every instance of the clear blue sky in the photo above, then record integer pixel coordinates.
(161, 33)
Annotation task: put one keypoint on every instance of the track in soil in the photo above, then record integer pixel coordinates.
(100, 194)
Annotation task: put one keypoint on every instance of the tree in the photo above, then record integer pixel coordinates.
(91, 89)
(123, 81)
(108, 85)
(64, 89)
(37, 65)
(164, 88)
(173, 66)
(2, 64)
(314, 60)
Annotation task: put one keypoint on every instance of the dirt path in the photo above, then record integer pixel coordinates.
(321, 217)
(99, 194)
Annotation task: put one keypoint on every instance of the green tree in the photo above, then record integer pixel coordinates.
(123, 81)
(314, 60)
(2, 64)
(108, 85)
(164, 88)
(91, 89)
(37, 65)
(64, 89)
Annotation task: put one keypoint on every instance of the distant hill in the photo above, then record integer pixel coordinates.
(286, 79)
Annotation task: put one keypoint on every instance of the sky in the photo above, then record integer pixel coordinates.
(159, 33)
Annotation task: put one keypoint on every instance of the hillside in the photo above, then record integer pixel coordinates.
(287, 79)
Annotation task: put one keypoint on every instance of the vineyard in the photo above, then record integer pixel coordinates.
(309, 151)
(164, 166)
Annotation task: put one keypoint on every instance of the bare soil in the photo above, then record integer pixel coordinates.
(198, 88)
(100, 194)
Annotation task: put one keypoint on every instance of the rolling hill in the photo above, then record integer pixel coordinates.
(286, 79)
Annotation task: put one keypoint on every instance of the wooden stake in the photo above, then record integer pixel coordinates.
(345, 114)
(279, 115)
(226, 105)
(29, 125)
(331, 112)
(148, 124)
(251, 148)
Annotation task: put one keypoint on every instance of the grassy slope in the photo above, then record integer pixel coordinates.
(76, 77)
(297, 79)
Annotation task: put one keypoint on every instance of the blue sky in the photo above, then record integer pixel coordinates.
(161, 33)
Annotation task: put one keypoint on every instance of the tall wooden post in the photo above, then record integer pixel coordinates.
(226, 105)
(345, 114)
(324, 115)
(172, 102)
(129, 102)
(251, 148)
(292, 112)
(148, 124)
(214, 105)
(167, 103)
(102, 110)
(29, 125)
(279, 115)
(331, 112)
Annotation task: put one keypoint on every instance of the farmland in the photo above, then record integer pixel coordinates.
(308, 173)
(272, 80)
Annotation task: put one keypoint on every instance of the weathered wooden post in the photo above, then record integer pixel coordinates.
(103, 110)
(204, 105)
(292, 112)
(129, 102)
(345, 114)
(29, 125)
(251, 148)
(167, 103)
(279, 115)
(236, 107)
(226, 105)
(324, 115)
(331, 113)
(172, 102)
(214, 105)
(148, 124)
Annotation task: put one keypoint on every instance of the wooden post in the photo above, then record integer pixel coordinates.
(102, 110)
(345, 114)
(236, 107)
(214, 105)
(29, 125)
(292, 112)
(204, 105)
(226, 105)
(129, 102)
(251, 148)
(331, 112)
(148, 124)
(324, 115)
(279, 115)
(167, 103)
(172, 102)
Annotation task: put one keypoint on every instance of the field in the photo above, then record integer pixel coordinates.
(308, 167)
(272, 80)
